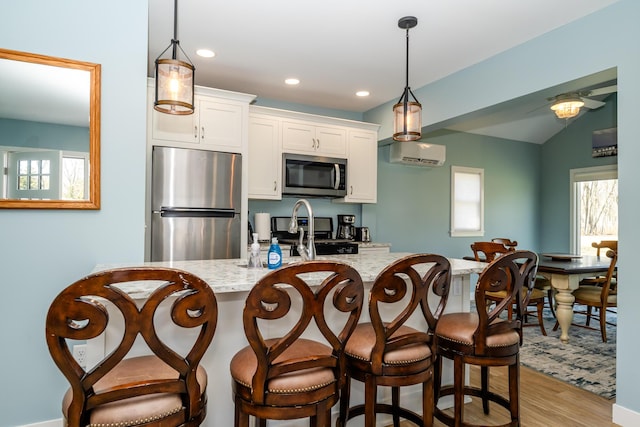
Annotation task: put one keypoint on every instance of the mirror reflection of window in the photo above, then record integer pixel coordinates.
(47, 175)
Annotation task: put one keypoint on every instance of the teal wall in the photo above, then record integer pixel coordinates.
(569, 149)
(413, 209)
(567, 53)
(42, 251)
(23, 133)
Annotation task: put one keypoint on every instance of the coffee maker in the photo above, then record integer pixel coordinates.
(346, 227)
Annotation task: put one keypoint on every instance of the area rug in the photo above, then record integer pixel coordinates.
(585, 361)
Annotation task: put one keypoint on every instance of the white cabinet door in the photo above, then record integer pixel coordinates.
(169, 127)
(214, 125)
(220, 125)
(362, 167)
(307, 138)
(265, 158)
(331, 141)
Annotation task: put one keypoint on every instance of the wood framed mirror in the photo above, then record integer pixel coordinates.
(49, 132)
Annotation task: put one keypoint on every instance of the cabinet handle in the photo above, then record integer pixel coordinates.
(318, 144)
(275, 185)
(195, 132)
(351, 188)
(202, 133)
(313, 145)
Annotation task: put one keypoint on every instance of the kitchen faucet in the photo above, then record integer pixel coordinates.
(307, 253)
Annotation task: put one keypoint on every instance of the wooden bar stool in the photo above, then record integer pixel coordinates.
(291, 376)
(486, 339)
(163, 389)
(386, 351)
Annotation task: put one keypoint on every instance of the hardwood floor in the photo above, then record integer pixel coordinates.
(544, 402)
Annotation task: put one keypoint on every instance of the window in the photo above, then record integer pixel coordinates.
(467, 201)
(594, 207)
(47, 175)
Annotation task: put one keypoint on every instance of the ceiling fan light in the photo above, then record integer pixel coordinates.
(567, 108)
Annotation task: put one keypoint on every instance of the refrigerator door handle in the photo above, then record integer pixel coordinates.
(196, 212)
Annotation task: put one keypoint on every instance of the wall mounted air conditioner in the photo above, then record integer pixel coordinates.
(417, 153)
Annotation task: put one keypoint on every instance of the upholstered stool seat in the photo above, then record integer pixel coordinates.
(161, 407)
(296, 386)
(455, 331)
(363, 340)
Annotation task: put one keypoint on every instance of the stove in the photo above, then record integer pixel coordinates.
(323, 234)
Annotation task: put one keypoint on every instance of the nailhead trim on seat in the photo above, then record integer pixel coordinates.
(293, 390)
(470, 344)
(132, 423)
(397, 362)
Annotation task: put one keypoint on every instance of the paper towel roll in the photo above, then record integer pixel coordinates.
(263, 226)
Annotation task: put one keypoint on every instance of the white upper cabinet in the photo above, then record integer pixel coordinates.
(308, 138)
(217, 123)
(273, 132)
(265, 160)
(362, 167)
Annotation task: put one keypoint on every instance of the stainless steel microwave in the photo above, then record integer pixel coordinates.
(304, 175)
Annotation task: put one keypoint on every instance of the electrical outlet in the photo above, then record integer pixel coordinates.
(80, 354)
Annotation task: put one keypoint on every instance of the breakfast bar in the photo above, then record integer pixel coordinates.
(231, 281)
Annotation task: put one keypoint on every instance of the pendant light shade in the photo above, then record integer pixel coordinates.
(567, 106)
(407, 113)
(174, 78)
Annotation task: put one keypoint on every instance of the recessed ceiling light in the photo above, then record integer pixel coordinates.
(205, 53)
(292, 81)
(362, 93)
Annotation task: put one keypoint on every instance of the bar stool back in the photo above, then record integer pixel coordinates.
(489, 337)
(291, 376)
(387, 351)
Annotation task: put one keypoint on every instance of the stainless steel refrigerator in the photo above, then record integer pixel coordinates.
(195, 202)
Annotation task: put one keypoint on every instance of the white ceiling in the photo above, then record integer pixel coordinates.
(338, 47)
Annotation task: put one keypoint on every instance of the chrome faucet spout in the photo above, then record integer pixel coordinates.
(307, 252)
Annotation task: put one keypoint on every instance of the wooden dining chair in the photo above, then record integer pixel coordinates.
(291, 376)
(600, 280)
(603, 298)
(387, 351)
(508, 243)
(488, 251)
(486, 338)
(163, 388)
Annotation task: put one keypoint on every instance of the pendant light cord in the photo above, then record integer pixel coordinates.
(407, 69)
(175, 41)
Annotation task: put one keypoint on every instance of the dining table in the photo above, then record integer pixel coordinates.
(565, 272)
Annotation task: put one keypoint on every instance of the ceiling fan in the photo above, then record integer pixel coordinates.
(568, 104)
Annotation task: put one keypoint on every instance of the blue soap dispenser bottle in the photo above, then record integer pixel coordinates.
(274, 256)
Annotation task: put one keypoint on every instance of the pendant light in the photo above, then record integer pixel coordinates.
(407, 114)
(567, 106)
(174, 78)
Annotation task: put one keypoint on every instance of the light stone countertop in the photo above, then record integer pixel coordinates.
(231, 275)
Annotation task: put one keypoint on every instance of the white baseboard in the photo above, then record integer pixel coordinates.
(50, 423)
(625, 417)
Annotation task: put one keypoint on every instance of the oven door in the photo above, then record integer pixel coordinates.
(313, 175)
